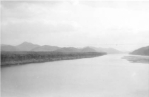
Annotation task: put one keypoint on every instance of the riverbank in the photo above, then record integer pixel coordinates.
(20, 58)
(137, 59)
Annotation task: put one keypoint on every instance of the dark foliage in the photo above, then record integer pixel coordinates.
(18, 58)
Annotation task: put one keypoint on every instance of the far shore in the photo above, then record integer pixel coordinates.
(137, 58)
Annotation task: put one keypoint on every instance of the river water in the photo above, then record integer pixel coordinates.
(104, 76)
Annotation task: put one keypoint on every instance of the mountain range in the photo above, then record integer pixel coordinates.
(27, 46)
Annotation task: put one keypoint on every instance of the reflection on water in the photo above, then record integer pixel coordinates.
(105, 76)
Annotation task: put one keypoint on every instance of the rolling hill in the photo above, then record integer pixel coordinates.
(88, 49)
(46, 48)
(106, 50)
(27, 46)
(8, 48)
(68, 49)
(73, 49)
(141, 51)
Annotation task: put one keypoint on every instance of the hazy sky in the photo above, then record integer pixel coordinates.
(123, 25)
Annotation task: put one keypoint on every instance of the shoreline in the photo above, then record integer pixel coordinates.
(137, 58)
(16, 59)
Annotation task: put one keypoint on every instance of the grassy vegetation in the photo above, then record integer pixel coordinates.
(18, 58)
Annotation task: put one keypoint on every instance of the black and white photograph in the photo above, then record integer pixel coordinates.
(74, 48)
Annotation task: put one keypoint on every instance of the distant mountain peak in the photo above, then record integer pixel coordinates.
(26, 46)
(25, 43)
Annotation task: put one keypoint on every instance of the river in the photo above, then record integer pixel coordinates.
(104, 76)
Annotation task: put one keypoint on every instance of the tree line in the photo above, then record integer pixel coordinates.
(18, 58)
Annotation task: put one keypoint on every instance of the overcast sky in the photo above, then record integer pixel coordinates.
(123, 25)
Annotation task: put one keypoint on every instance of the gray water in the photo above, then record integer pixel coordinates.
(104, 76)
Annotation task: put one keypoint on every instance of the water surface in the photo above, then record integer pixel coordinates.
(104, 76)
